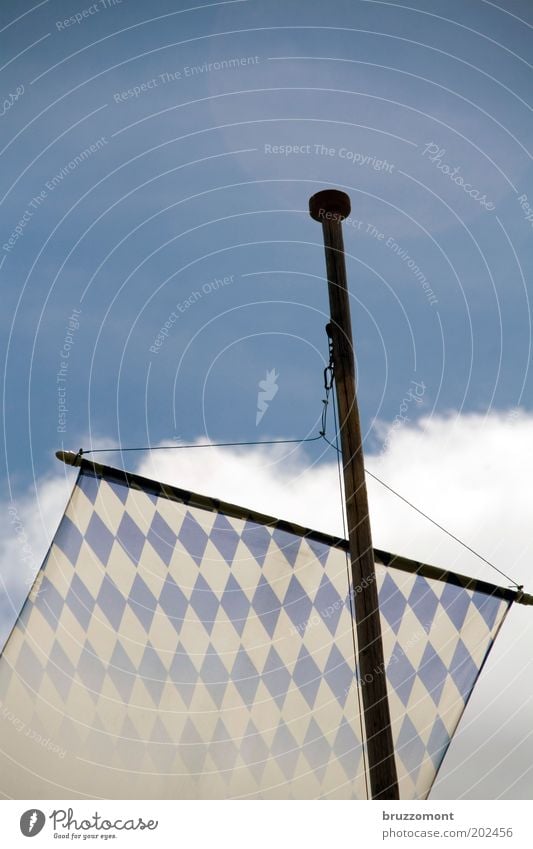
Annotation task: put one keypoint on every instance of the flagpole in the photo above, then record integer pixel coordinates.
(330, 207)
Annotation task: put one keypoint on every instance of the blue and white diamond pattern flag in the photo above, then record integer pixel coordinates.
(176, 647)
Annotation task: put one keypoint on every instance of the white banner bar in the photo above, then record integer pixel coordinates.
(267, 825)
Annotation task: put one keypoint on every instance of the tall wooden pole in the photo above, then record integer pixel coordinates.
(330, 208)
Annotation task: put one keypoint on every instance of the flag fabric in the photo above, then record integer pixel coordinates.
(174, 646)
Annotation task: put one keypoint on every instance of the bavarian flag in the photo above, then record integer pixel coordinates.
(177, 647)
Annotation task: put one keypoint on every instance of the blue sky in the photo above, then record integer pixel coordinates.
(202, 133)
(181, 192)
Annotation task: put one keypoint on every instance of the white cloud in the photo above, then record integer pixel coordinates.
(278, 480)
(470, 472)
(27, 525)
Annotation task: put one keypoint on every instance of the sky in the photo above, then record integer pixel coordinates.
(158, 262)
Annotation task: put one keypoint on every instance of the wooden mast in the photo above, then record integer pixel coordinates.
(330, 207)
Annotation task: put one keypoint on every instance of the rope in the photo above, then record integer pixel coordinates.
(434, 522)
(328, 387)
(82, 451)
(449, 533)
